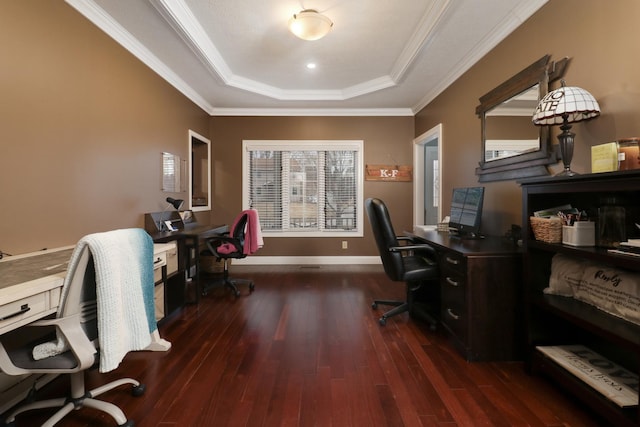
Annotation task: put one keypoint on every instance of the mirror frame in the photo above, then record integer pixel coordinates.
(200, 139)
(528, 164)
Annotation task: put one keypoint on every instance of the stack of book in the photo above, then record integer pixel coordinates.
(631, 248)
(612, 380)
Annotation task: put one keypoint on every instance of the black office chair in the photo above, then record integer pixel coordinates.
(403, 261)
(227, 247)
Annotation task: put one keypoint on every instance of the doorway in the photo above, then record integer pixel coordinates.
(427, 164)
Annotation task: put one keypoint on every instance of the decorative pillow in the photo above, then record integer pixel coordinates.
(566, 273)
(614, 291)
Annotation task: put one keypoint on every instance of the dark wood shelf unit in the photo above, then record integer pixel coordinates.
(592, 319)
(558, 320)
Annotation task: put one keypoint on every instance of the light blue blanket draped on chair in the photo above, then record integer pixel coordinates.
(123, 261)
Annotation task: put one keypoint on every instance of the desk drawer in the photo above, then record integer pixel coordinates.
(20, 312)
(159, 261)
(455, 318)
(453, 262)
(453, 287)
(172, 260)
(453, 279)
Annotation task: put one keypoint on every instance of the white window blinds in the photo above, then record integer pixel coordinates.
(305, 187)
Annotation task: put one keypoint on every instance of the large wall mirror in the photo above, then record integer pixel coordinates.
(512, 146)
(199, 172)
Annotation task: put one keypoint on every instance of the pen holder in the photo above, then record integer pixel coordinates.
(581, 233)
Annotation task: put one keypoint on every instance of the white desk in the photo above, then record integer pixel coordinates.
(30, 288)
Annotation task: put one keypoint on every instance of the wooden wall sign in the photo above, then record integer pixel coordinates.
(392, 173)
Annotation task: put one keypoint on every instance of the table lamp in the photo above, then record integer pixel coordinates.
(565, 105)
(177, 204)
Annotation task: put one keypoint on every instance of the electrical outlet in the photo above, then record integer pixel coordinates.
(345, 245)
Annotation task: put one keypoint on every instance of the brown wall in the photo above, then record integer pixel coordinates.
(83, 123)
(605, 58)
(386, 140)
(82, 127)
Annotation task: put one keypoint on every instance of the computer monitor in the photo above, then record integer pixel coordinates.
(466, 211)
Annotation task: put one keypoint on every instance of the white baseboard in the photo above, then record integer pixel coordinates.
(306, 260)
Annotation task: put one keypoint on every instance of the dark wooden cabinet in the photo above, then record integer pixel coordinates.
(553, 320)
(480, 294)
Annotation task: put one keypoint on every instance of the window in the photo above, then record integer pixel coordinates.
(304, 188)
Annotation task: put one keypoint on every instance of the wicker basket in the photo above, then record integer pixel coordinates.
(211, 264)
(547, 230)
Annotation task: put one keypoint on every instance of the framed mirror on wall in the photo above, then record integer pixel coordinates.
(512, 146)
(199, 172)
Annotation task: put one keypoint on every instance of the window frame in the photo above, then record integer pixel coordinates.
(308, 145)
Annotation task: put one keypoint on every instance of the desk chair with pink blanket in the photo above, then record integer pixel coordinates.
(245, 238)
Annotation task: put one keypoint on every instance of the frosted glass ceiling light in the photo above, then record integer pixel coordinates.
(310, 25)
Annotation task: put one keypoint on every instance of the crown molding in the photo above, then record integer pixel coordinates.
(180, 17)
(346, 112)
(106, 23)
(483, 47)
(177, 14)
(419, 39)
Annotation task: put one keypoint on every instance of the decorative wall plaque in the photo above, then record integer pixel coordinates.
(394, 173)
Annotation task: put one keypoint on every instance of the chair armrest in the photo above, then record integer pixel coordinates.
(424, 248)
(77, 339)
(408, 248)
(82, 348)
(221, 239)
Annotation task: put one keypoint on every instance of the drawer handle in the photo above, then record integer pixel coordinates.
(452, 261)
(451, 282)
(452, 314)
(23, 309)
(157, 261)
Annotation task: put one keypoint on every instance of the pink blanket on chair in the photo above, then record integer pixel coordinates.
(253, 234)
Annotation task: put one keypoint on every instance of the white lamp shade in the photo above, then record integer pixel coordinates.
(310, 25)
(573, 102)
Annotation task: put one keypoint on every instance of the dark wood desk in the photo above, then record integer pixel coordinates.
(190, 243)
(481, 294)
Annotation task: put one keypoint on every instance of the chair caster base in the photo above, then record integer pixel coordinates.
(138, 390)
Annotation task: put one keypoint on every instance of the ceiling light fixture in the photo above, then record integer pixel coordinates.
(309, 24)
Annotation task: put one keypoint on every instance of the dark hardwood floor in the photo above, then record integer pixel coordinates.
(306, 349)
